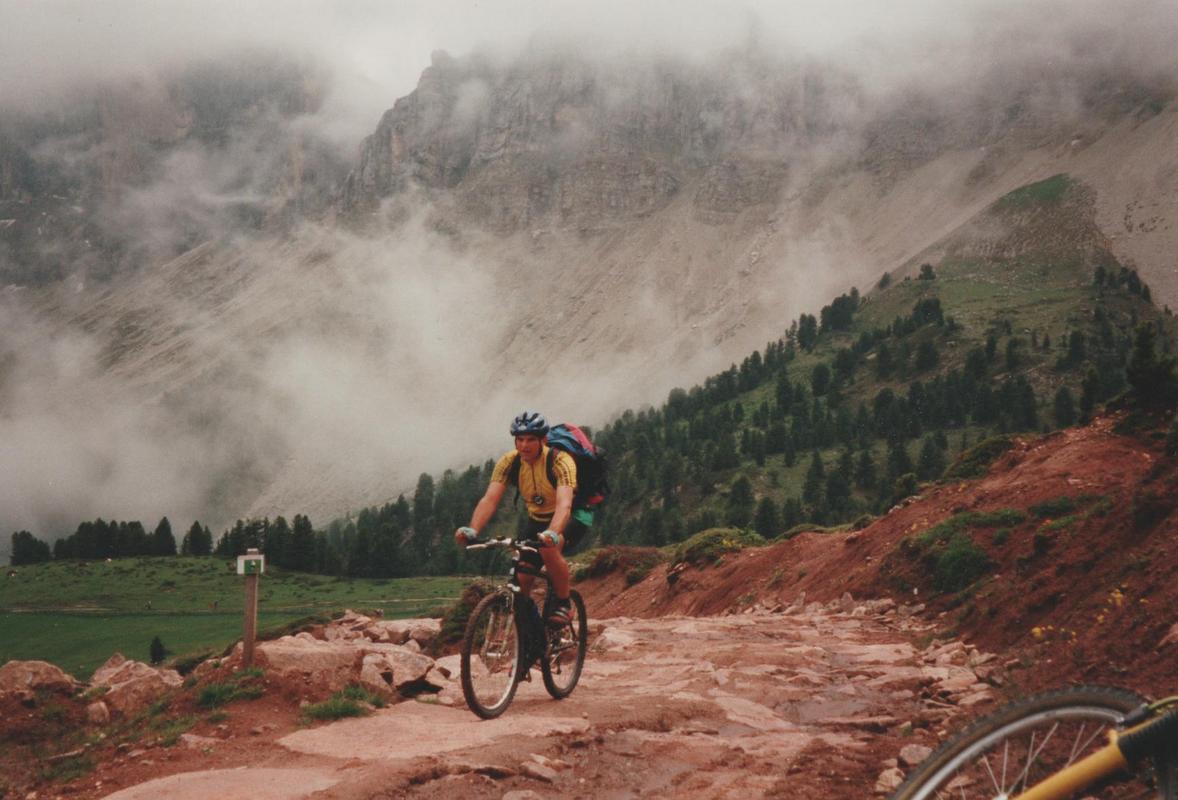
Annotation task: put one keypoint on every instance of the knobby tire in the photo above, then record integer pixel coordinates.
(972, 757)
(494, 665)
(561, 668)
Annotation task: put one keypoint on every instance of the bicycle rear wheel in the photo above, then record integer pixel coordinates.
(1004, 753)
(492, 659)
(562, 663)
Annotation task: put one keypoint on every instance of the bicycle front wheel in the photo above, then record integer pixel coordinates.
(492, 659)
(1003, 754)
(562, 663)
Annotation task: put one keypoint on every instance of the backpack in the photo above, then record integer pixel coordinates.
(592, 486)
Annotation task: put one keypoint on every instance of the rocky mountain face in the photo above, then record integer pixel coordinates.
(644, 220)
(119, 176)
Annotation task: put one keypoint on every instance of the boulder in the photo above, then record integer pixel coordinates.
(97, 713)
(133, 685)
(450, 667)
(333, 663)
(353, 621)
(20, 677)
(913, 754)
(336, 663)
(394, 631)
(405, 666)
(889, 780)
(424, 631)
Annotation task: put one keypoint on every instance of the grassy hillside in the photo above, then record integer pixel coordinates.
(1027, 290)
(1020, 320)
(76, 613)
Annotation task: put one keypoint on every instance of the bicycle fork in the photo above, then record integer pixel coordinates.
(1122, 751)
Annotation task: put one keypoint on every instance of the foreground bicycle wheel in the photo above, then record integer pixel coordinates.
(492, 659)
(561, 667)
(1004, 753)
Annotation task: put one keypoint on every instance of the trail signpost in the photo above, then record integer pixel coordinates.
(251, 565)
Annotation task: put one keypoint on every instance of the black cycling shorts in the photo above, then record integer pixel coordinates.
(574, 532)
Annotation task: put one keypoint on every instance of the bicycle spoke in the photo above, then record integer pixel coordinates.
(993, 782)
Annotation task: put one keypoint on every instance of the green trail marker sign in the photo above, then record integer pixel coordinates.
(251, 565)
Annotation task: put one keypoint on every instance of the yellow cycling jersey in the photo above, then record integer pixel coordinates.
(534, 486)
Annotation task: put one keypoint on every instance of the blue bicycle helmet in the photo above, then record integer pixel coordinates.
(529, 423)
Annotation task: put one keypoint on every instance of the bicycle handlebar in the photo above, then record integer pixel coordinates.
(502, 542)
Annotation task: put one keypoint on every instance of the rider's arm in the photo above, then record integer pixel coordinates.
(564, 509)
(487, 505)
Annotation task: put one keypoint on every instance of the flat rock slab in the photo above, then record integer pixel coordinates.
(230, 784)
(412, 730)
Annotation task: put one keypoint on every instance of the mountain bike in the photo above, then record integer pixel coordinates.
(1110, 743)
(505, 637)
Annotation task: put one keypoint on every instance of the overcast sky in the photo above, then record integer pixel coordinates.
(377, 49)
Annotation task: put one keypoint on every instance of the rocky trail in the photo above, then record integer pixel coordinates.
(805, 701)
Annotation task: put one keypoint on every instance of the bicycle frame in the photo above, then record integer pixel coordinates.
(1123, 750)
(519, 567)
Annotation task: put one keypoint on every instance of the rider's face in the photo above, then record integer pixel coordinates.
(528, 447)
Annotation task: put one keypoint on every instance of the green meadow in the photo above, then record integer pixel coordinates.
(76, 613)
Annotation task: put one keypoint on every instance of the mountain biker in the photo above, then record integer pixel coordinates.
(550, 505)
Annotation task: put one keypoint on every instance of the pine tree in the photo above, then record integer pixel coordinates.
(303, 548)
(651, 527)
(931, 462)
(1065, 408)
(157, 651)
(820, 379)
(899, 462)
(815, 477)
(28, 549)
(1089, 391)
(838, 491)
(767, 521)
(163, 542)
(1150, 376)
(926, 356)
(740, 503)
(865, 470)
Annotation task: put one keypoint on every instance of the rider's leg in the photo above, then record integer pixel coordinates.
(558, 570)
(525, 584)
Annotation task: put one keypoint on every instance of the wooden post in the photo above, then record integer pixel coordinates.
(250, 625)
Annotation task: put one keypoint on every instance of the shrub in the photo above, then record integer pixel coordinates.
(170, 729)
(944, 530)
(960, 564)
(707, 547)
(636, 575)
(157, 651)
(352, 701)
(363, 695)
(619, 558)
(1053, 507)
(239, 687)
(454, 618)
(976, 461)
(1001, 536)
(335, 707)
(1061, 523)
(905, 486)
